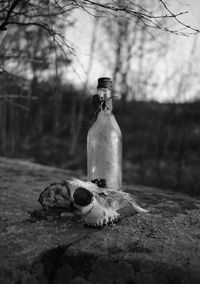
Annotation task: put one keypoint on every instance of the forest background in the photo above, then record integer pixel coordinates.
(46, 84)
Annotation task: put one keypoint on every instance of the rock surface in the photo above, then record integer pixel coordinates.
(162, 246)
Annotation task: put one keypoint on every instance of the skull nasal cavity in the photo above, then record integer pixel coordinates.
(82, 196)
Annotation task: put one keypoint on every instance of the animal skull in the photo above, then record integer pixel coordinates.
(97, 206)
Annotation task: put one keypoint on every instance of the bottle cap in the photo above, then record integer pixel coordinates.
(104, 82)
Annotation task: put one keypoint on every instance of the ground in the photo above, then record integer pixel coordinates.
(162, 246)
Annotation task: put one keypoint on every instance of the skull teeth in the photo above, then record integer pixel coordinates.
(91, 224)
(103, 222)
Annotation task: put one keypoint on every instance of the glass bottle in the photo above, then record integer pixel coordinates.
(104, 142)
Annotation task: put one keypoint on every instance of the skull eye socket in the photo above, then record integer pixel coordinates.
(82, 196)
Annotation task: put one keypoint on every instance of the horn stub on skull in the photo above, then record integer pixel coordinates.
(82, 196)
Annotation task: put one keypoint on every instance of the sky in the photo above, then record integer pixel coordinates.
(179, 53)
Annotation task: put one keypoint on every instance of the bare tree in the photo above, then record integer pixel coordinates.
(129, 45)
(76, 121)
(27, 55)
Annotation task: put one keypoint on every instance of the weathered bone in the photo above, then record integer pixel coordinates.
(97, 206)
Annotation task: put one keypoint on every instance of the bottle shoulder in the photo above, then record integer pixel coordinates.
(105, 121)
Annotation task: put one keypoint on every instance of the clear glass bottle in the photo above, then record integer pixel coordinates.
(104, 142)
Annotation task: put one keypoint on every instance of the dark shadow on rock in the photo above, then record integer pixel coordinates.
(61, 265)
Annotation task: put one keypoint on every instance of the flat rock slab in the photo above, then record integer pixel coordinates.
(162, 246)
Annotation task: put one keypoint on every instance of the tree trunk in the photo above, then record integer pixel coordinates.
(77, 125)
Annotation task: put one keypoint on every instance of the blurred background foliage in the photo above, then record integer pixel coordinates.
(45, 115)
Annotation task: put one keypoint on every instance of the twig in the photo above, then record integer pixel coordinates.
(18, 105)
(12, 7)
(175, 16)
(41, 25)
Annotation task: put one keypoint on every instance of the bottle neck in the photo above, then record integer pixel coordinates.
(106, 96)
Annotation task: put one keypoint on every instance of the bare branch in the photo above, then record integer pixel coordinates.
(31, 12)
(41, 25)
(11, 9)
(146, 17)
(139, 14)
(175, 16)
(18, 105)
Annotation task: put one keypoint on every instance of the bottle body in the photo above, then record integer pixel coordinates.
(104, 150)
